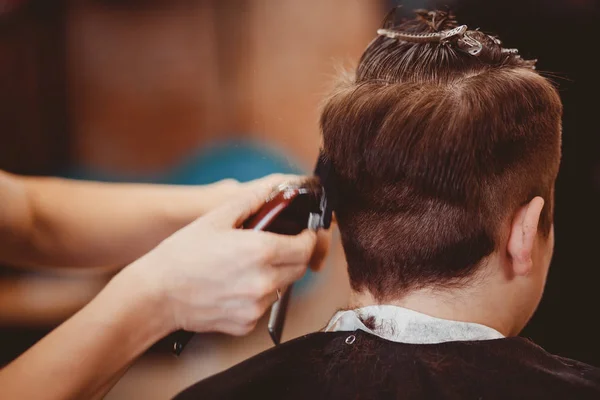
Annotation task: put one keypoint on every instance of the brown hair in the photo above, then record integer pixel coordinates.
(434, 149)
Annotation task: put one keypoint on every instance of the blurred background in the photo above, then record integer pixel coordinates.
(193, 91)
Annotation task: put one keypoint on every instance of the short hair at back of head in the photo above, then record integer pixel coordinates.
(434, 149)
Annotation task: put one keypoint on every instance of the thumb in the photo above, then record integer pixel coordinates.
(233, 213)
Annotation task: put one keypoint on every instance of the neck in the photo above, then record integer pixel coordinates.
(482, 304)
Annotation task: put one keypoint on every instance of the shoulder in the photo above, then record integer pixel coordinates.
(269, 372)
(548, 367)
(524, 344)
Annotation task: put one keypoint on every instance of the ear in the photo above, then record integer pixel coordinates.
(523, 232)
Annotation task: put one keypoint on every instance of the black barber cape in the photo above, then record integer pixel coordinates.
(359, 365)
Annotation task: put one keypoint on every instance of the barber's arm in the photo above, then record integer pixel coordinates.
(206, 277)
(67, 223)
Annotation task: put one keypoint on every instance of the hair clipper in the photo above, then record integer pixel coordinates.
(291, 209)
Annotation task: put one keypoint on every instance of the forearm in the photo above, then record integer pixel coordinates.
(73, 223)
(42, 300)
(80, 358)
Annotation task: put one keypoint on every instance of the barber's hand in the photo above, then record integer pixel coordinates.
(213, 277)
(216, 194)
(220, 192)
(273, 181)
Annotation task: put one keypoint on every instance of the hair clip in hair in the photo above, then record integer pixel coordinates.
(459, 35)
(433, 37)
(452, 33)
(469, 45)
(510, 51)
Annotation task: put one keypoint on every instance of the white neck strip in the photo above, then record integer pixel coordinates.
(407, 326)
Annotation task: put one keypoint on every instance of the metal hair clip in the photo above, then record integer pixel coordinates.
(469, 45)
(433, 37)
(510, 51)
(459, 34)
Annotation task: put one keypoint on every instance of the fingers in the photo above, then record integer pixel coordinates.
(274, 180)
(320, 251)
(285, 275)
(244, 315)
(270, 298)
(287, 249)
(235, 212)
(245, 318)
(235, 328)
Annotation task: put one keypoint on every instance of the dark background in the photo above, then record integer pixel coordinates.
(561, 34)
